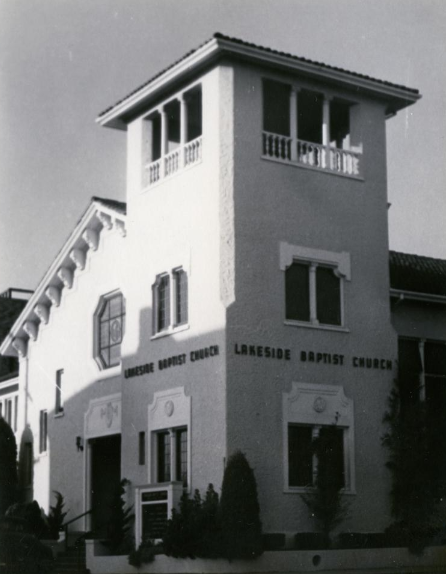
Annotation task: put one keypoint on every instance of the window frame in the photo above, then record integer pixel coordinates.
(97, 322)
(316, 258)
(173, 323)
(315, 430)
(175, 460)
(319, 406)
(59, 404)
(43, 431)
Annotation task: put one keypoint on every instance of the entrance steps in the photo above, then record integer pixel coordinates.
(72, 560)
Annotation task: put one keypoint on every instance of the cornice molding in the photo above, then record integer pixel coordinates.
(53, 294)
(66, 275)
(78, 257)
(42, 312)
(219, 47)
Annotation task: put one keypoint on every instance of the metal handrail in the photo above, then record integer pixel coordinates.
(66, 524)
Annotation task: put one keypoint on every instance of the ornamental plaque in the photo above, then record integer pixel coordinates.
(319, 405)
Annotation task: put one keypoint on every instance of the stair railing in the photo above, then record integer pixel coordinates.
(66, 524)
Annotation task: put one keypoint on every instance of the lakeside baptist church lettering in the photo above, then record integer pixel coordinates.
(262, 352)
(173, 361)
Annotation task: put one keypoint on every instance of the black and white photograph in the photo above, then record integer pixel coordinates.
(222, 286)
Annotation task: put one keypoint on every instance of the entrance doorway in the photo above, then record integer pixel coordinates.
(105, 479)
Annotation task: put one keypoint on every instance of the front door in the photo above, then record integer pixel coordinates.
(105, 479)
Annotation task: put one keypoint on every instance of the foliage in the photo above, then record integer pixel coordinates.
(193, 529)
(417, 487)
(8, 467)
(56, 516)
(144, 554)
(239, 517)
(22, 553)
(118, 530)
(326, 501)
(31, 516)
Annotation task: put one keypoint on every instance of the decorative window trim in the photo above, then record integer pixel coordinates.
(97, 332)
(173, 325)
(170, 411)
(339, 261)
(317, 406)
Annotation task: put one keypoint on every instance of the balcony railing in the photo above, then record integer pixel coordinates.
(171, 163)
(310, 154)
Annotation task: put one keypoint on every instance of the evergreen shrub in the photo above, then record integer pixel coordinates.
(8, 467)
(239, 517)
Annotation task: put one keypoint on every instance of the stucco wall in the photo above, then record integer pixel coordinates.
(419, 319)
(66, 342)
(277, 203)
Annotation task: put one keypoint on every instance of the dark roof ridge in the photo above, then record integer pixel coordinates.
(219, 35)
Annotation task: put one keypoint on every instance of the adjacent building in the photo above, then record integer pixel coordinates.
(241, 298)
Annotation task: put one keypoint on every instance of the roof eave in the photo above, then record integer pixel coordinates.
(398, 97)
(16, 330)
(402, 295)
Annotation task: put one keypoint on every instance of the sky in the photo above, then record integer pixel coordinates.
(62, 62)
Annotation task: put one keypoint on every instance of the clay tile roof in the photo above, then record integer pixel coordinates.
(119, 206)
(417, 273)
(218, 35)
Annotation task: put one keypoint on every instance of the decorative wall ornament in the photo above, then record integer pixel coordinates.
(91, 238)
(42, 312)
(65, 274)
(108, 412)
(78, 256)
(319, 405)
(120, 227)
(20, 346)
(103, 416)
(105, 219)
(53, 294)
(30, 329)
(169, 407)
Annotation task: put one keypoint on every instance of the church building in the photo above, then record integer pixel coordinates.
(243, 297)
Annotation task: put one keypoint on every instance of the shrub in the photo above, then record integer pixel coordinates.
(416, 486)
(56, 516)
(118, 530)
(325, 502)
(31, 516)
(8, 467)
(182, 537)
(241, 529)
(193, 529)
(144, 554)
(22, 553)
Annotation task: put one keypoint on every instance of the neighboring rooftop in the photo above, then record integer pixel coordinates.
(417, 273)
(221, 44)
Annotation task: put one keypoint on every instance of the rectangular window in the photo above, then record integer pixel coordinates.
(1, 409)
(163, 303)
(59, 402)
(297, 292)
(328, 296)
(305, 444)
(181, 456)
(194, 116)
(142, 448)
(43, 433)
(316, 301)
(300, 455)
(276, 107)
(181, 295)
(164, 450)
(172, 455)
(170, 301)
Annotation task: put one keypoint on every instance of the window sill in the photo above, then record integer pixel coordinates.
(338, 328)
(59, 414)
(170, 331)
